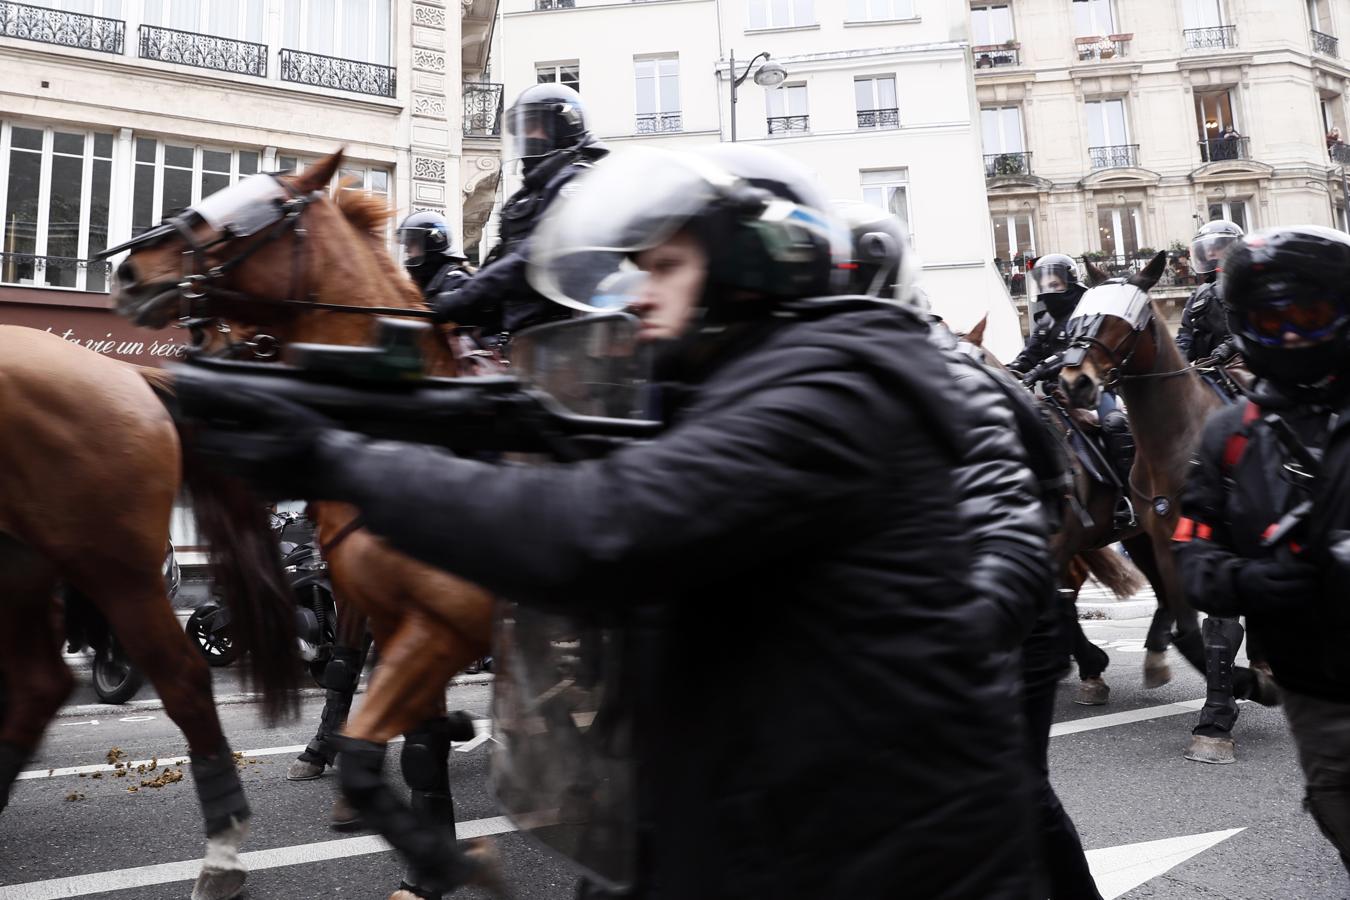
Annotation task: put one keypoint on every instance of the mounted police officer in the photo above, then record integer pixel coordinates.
(430, 254)
(787, 554)
(1204, 322)
(1058, 291)
(547, 132)
(1262, 531)
(1010, 486)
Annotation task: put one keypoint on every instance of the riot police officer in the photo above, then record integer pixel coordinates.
(546, 129)
(1058, 290)
(430, 254)
(1204, 322)
(1259, 537)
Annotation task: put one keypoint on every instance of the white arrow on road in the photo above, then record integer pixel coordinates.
(1118, 870)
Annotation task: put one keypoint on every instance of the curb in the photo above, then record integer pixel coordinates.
(1117, 609)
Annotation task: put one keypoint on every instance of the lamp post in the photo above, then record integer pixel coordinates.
(771, 74)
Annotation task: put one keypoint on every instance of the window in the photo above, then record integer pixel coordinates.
(876, 101)
(1234, 211)
(1002, 129)
(171, 176)
(108, 9)
(1014, 244)
(1106, 123)
(1093, 17)
(1118, 228)
(781, 13)
(787, 109)
(888, 189)
(568, 73)
(350, 29)
(879, 10)
(54, 204)
(1213, 114)
(240, 19)
(658, 85)
(1319, 16)
(1202, 13)
(991, 25)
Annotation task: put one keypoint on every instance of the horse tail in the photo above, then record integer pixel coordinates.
(246, 569)
(1113, 570)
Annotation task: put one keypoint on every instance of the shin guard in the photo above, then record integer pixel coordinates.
(1222, 637)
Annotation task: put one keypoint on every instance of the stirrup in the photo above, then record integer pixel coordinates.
(1125, 516)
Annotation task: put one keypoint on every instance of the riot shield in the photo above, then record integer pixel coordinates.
(562, 763)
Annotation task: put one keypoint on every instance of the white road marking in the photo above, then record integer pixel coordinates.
(478, 740)
(1092, 723)
(167, 873)
(1119, 870)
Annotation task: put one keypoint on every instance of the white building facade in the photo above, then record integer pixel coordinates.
(879, 102)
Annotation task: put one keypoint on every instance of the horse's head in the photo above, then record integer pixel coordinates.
(1110, 333)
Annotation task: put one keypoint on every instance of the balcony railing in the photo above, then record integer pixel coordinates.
(990, 56)
(1018, 163)
(789, 124)
(1114, 157)
(67, 29)
(1325, 44)
(1014, 275)
(1219, 149)
(658, 123)
(54, 271)
(482, 109)
(555, 4)
(343, 74)
(1340, 153)
(1216, 37)
(203, 50)
(878, 118)
(1102, 47)
(1178, 272)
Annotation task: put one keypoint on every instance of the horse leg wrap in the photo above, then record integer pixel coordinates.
(12, 758)
(340, 676)
(1222, 637)
(424, 843)
(426, 768)
(218, 789)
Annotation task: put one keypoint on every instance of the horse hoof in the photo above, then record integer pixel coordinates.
(1212, 750)
(304, 770)
(486, 864)
(1092, 692)
(1264, 689)
(219, 885)
(344, 816)
(1156, 670)
(223, 872)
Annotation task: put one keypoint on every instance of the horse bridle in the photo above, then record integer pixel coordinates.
(1118, 356)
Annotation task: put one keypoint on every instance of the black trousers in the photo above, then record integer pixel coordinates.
(1321, 730)
(1062, 860)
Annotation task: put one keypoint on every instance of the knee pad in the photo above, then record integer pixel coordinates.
(343, 671)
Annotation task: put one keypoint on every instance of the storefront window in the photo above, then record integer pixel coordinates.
(54, 205)
(171, 176)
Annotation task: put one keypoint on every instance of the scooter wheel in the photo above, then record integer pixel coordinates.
(217, 647)
(116, 680)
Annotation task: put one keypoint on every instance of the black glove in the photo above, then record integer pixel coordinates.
(445, 307)
(260, 437)
(1223, 351)
(1275, 585)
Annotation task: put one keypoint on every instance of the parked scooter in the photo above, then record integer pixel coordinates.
(315, 610)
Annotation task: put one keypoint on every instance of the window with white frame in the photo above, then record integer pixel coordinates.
(888, 189)
(108, 9)
(375, 179)
(349, 29)
(991, 25)
(657, 84)
(1092, 18)
(565, 73)
(243, 20)
(876, 101)
(1234, 211)
(172, 175)
(879, 10)
(1119, 231)
(787, 109)
(53, 205)
(1001, 128)
(1106, 123)
(1202, 13)
(781, 13)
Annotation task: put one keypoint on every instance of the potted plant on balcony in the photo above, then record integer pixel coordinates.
(1178, 250)
(1094, 255)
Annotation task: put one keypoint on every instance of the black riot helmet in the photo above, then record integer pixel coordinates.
(882, 264)
(1056, 278)
(768, 231)
(1287, 291)
(1210, 243)
(425, 238)
(545, 118)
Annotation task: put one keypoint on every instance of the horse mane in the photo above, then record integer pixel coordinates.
(369, 214)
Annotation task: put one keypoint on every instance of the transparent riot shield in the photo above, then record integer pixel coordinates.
(562, 764)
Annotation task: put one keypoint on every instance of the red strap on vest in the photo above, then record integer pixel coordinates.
(1237, 441)
(1190, 530)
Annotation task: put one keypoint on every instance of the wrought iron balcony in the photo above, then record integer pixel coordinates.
(1178, 272)
(343, 74)
(67, 29)
(54, 271)
(203, 50)
(1099, 47)
(878, 118)
(1217, 37)
(1325, 44)
(482, 109)
(789, 124)
(1219, 149)
(991, 56)
(658, 123)
(1114, 157)
(1018, 163)
(555, 4)
(1014, 274)
(1340, 153)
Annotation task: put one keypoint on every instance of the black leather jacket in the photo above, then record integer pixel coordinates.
(1204, 324)
(499, 297)
(1047, 336)
(796, 530)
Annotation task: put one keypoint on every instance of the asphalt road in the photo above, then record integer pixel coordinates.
(1156, 825)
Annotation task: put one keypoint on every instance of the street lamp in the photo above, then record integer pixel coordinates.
(770, 74)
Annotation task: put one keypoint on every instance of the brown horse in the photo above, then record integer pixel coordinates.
(1123, 342)
(312, 275)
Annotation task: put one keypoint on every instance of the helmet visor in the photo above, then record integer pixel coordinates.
(1053, 278)
(633, 201)
(1310, 319)
(1207, 251)
(533, 130)
(412, 244)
